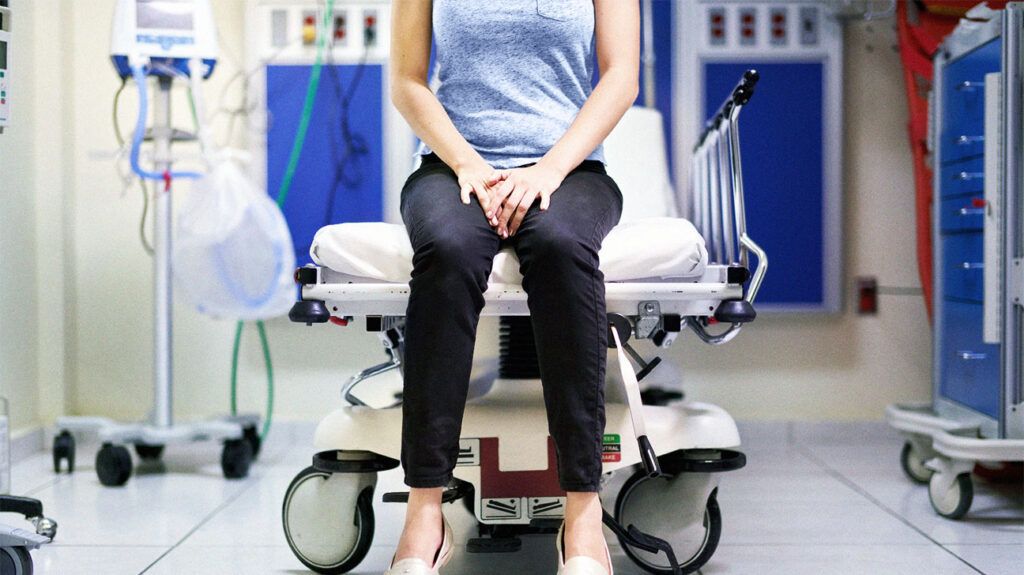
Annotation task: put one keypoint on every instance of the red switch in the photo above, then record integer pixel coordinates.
(867, 296)
(978, 202)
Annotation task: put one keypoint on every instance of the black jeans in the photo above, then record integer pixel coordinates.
(558, 253)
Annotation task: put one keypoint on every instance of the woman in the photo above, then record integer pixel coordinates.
(511, 156)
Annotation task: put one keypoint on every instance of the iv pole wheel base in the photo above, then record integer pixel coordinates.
(236, 458)
(15, 560)
(955, 501)
(64, 450)
(113, 465)
(913, 465)
(250, 434)
(147, 452)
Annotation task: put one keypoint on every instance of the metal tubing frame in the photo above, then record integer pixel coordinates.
(162, 415)
(1011, 423)
(710, 203)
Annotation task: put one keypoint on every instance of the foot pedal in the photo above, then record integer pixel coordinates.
(491, 545)
(660, 396)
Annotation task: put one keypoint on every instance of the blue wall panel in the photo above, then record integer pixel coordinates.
(782, 135)
(340, 175)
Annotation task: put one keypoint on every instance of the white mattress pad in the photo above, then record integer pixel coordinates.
(647, 248)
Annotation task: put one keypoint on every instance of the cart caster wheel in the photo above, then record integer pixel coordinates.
(15, 561)
(912, 462)
(328, 520)
(250, 434)
(148, 452)
(236, 458)
(113, 465)
(64, 449)
(954, 502)
(652, 508)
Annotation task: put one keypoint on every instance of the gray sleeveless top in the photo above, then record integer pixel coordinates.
(514, 73)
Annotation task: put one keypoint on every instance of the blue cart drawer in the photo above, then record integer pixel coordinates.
(963, 267)
(958, 145)
(970, 369)
(962, 178)
(961, 214)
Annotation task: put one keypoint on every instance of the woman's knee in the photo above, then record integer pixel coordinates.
(451, 257)
(558, 245)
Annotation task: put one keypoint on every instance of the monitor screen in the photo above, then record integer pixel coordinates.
(165, 14)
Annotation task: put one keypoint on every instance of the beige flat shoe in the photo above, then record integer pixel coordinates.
(417, 566)
(580, 564)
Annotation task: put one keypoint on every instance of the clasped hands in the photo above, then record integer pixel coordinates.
(506, 195)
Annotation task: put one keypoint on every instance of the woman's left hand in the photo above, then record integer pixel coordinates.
(520, 189)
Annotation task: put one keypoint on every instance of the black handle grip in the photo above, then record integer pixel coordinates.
(22, 505)
(739, 96)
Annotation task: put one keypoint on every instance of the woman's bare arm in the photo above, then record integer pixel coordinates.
(617, 36)
(411, 32)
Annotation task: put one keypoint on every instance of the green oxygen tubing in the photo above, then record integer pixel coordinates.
(282, 196)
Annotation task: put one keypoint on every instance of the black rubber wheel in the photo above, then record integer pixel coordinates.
(250, 434)
(113, 465)
(913, 465)
(712, 525)
(955, 502)
(148, 452)
(15, 561)
(236, 458)
(64, 450)
(352, 527)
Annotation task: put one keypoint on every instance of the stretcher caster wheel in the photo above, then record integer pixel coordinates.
(250, 434)
(654, 508)
(951, 500)
(113, 465)
(148, 452)
(328, 520)
(15, 561)
(236, 458)
(912, 461)
(64, 450)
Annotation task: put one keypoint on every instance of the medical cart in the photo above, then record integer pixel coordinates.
(977, 411)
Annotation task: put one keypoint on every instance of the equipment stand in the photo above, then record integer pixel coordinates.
(113, 461)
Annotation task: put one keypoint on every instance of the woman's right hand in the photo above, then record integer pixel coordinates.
(479, 178)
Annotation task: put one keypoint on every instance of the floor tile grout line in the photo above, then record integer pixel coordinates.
(250, 483)
(875, 501)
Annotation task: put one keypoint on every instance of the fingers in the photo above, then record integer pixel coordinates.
(520, 211)
(496, 177)
(483, 195)
(508, 207)
(464, 190)
(500, 193)
(545, 200)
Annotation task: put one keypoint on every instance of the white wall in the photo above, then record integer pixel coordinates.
(810, 367)
(32, 312)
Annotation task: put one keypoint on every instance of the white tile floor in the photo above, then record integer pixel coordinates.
(814, 499)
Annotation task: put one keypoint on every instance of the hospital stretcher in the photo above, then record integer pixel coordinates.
(663, 276)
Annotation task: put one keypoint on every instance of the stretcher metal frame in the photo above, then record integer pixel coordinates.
(718, 295)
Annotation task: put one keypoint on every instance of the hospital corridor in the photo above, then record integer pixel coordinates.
(573, 287)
